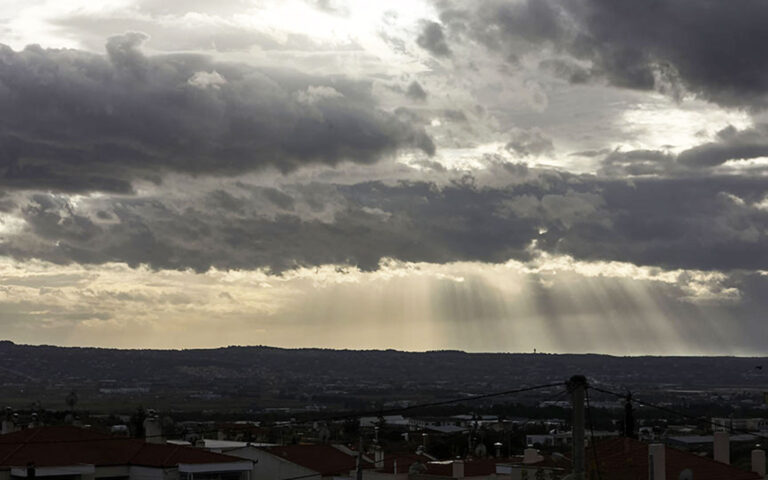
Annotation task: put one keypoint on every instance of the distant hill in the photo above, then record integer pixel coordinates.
(295, 376)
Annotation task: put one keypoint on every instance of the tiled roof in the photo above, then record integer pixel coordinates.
(58, 446)
(403, 460)
(627, 459)
(324, 459)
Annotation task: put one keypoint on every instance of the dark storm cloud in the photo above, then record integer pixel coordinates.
(409, 221)
(711, 47)
(85, 122)
(730, 144)
(697, 223)
(433, 40)
(703, 223)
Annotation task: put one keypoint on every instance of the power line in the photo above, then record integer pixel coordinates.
(672, 411)
(551, 398)
(442, 402)
(592, 433)
(347, 416)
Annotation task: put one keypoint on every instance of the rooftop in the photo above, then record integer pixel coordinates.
(324, 459)
(58, 446)
(627, 459)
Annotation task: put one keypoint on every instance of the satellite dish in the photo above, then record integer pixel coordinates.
(686, 474)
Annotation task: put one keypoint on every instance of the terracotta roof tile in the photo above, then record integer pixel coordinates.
(403, 460)
(627, 459)
(324, 459)
(56, 446)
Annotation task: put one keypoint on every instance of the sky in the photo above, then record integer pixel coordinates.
(558, 175)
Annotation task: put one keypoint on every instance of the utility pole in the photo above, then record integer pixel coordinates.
(629, 417)
(359, 475)
(577, 386)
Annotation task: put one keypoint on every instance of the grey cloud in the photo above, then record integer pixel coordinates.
(710, 48)
(410, 221)
(455, 115)
(730, 144)
(124, 53)
(332, 6)
(529, 142)
(678, 223)
(635, 162)
(86, 122)
(568, 70)
(7, 204)
(416, 91)
(278, 198)
(715, 49)
(700, 223)
(591, 153)
(563, 210)
(433, 40)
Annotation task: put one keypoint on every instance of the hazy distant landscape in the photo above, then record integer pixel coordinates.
(258, 378)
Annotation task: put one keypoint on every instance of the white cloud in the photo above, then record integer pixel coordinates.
(316, 93)
(115, 305)
(204, 80)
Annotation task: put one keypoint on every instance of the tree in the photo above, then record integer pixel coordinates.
(137, 422)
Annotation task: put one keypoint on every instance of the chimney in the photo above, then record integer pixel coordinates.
(152, 430)
(657, 462)
(378, 458)
(9, 422)
(531, 455)
(758, 462)
(458, 469)
(722, 448)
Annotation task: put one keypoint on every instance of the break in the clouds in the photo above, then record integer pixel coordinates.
(582, 175)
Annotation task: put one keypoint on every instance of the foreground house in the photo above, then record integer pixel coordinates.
(72, 453)
(309, 462)
(628, 459)
(531, 465)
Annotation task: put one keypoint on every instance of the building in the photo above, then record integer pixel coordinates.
(396, 466)
(629, 459)
(310, 462)
(693, 442)
(739, 424)
(563, 439)
(531, 465)
(72, 453)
